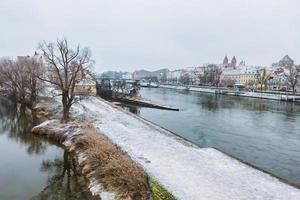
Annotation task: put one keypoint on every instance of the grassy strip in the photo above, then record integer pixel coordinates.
(158, 191)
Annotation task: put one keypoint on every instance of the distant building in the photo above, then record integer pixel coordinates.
(242, 74)
(85, 85)
(249, 75)
(285, 62)
(298, 78)
(39, 57)
(174, 76)
(230, 76)
(232, 64)
(127, 75)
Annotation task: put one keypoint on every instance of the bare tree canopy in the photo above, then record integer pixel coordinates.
(263, 78)
(211, 75)
(19, 79)
(66, 66)
(292, 77)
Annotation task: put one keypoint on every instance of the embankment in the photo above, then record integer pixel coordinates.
(110, 172)
(260, 95)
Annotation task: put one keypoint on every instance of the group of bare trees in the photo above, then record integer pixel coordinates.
(63, 68)
(19, 79)
(211, 75)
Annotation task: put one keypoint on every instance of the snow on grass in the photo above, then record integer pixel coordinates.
(187, 171)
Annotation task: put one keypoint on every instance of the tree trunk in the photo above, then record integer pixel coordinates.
(293, 89)
(66, 115)
(66, 107)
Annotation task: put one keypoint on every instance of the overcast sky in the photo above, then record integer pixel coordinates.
(151, 34)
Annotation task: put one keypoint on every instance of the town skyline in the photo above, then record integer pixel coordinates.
(238, 62)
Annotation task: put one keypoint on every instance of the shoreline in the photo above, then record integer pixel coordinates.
(258, 95)
(107, 170)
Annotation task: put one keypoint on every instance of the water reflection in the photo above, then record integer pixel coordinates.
(131, 108)
(65, 181)
(16, 123)
(31, 167)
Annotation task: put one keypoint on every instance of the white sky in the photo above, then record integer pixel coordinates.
(151, 34)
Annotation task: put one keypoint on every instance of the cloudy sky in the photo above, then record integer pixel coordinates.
(133, 34)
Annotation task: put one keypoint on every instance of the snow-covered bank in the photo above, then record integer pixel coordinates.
(109, 172)
(187, 171)
(280, 97)
(65, 135)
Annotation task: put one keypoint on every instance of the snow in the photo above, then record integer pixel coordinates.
(70, 131)
(95, 186)
(187, 171)
(272, 96)
(86, 82)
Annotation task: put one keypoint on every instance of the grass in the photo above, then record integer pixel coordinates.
(111, 166)
(159, 192)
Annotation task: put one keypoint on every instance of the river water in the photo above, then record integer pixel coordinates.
(31, 167)
(264, 133)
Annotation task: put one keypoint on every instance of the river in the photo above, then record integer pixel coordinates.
(31, 167)
(263, 133)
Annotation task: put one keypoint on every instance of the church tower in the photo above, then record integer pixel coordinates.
(225, 61)
(233, 62)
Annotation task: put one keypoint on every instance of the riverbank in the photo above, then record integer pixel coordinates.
(204, 173)
(261, 95)
(110, 173)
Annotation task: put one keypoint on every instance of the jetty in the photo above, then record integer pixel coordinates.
(139, 101)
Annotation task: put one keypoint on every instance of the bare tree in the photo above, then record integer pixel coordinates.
(292, 77)
(184, 79)
(19, 80)
(217, 75)
(263, 78)
(250, 84)
(211, 75)
(65, 68)
(203, 76)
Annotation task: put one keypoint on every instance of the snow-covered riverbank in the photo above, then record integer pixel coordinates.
(187, 171)
(280, 97)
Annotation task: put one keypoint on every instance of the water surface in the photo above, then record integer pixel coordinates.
(31, 167)
(263, 133)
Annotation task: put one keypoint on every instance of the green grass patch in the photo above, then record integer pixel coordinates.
(159, 192)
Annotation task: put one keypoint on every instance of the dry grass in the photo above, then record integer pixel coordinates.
(112, 167)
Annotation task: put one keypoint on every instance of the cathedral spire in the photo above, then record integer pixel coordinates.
(233, 62)
(225, 61)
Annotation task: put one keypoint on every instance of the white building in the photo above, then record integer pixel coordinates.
(127, 75)
(174, 76)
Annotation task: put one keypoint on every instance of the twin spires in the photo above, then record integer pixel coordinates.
(231, 64)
